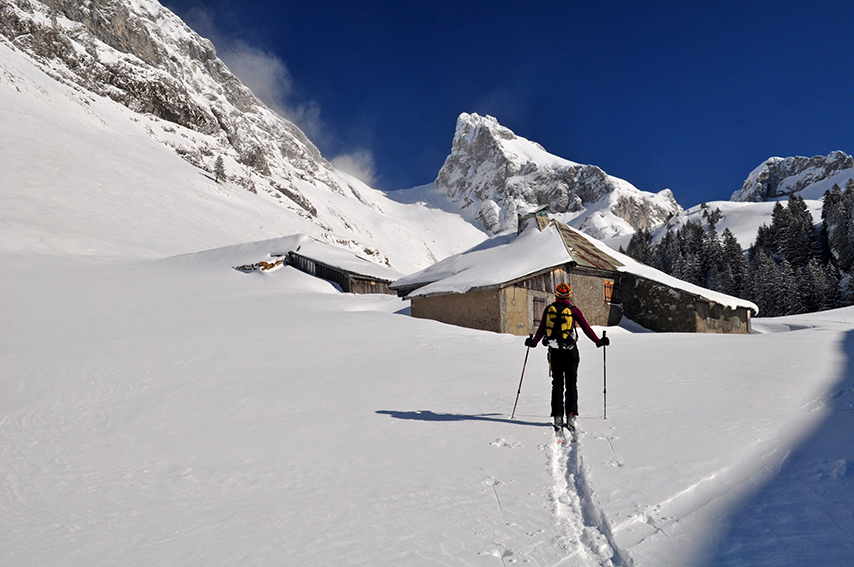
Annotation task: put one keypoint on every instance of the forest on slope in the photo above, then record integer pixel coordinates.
(794, 266)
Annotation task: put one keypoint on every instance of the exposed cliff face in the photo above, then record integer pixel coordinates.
(144, 57)
(780, 177)
(492, 174)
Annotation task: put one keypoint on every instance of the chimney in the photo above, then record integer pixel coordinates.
(541, 214)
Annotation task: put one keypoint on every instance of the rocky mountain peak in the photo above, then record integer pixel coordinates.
(474, 130)
(779, 177)
(492, 175)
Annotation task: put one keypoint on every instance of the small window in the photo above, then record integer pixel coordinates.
(612, 291)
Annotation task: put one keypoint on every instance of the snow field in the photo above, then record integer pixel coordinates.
(178, 411)
(165, 414)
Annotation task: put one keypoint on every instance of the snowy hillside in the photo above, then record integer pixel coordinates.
(492, 175)
(743, 219)
(772, 181)
(79, 164)
(747, 210)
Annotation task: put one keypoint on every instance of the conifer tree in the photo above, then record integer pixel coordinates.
(733, 257)
(801, 241)
(765, 242)
(787, 291)
(219, 169)
(640, 247)
(763, 283)
(666, 254)
(712, 257)
(834, 222)
(777, 232)
(846, 229)
(833, 298)
(812, 287)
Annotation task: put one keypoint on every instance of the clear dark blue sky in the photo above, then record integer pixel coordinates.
(684, 95)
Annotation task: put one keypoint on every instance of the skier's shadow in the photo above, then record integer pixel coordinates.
(427, 415)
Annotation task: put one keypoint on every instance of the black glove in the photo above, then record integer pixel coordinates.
(604, 341)
(529, 342)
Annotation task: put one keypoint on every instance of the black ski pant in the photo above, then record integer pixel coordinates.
(563, 364)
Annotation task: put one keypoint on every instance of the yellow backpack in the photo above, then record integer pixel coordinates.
(560, 326)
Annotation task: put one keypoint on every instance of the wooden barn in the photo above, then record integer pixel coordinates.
(351, 273)
(504, 284)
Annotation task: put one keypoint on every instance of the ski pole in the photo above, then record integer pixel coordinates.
(605, 378)
(519, 391)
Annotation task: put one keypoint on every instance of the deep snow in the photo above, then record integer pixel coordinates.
(177, 411)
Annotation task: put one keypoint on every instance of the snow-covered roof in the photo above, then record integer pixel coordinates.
(541, 246)
(500, 259)
(343, 259)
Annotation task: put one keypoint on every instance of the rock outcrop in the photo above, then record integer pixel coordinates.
(493, 174)
(780, 177)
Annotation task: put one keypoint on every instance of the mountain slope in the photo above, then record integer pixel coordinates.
(772, 181)
(113, 114)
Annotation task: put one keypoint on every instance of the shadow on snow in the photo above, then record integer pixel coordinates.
(805, 514)
(426, 415)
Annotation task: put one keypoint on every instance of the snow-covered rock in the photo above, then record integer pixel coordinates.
(92, 92)
(780, 177)
(492, 175)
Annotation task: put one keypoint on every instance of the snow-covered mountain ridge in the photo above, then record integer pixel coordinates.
(777, 178)
(140, 55)
(492, 175)
(114, 112)
(772, 181)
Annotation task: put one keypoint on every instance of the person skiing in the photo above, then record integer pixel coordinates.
(558, 331)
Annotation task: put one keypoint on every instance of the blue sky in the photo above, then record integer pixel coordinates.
(690, 96)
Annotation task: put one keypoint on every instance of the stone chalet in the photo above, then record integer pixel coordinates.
(505, 283)
(351, 273)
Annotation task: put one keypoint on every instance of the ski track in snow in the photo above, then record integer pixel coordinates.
(583, 531)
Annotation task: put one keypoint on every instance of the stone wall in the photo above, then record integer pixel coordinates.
(588, 293)
(658, 307)
(475, 309)
(663, 309)
(715, 318)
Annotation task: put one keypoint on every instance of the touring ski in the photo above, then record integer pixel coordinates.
(566, 432)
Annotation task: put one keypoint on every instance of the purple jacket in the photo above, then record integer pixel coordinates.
(577, 316)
